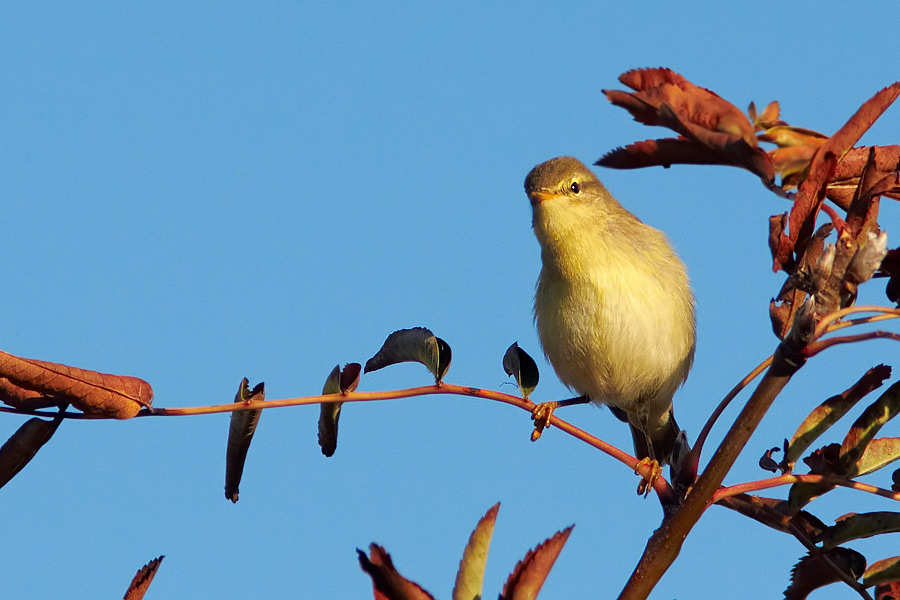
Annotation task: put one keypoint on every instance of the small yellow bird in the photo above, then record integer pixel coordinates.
(613, 307)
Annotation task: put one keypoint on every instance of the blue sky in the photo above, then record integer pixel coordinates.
(199, 193)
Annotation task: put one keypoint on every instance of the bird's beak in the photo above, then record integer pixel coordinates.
(538, 196)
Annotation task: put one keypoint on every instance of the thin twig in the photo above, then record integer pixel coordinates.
(863, 321)
(821, 345)
(660, 485)
(836, 220)
(824, 325)
(773, 482)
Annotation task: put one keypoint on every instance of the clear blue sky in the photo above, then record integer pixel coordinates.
(196, 193)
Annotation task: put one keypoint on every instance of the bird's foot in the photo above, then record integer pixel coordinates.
(646, 483)
(541, 414)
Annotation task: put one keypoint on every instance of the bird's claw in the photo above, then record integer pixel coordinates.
(648, 480)
(541, 414)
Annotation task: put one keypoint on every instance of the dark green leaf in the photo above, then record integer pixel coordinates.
(240, 434)
(338, 382)
(827, 413)
(21, 447)
(517, 363)
(866, 427)
(857, 526)
(413, 345)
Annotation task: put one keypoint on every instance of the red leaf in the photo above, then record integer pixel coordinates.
(387, 583)
(526, 580)
(811, 573)
(862, 215)
(824, 163)
(661, 153)
(851, 166)
(698, 105)
(23, 399)
(779, 244)
(665, 98)
(115, 396)
(142, 579)
(888, 591)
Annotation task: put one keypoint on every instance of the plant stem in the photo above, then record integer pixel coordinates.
(664, 545)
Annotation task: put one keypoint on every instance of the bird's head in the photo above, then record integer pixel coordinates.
(565, 198)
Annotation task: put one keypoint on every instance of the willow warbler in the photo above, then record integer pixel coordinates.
(613, 307)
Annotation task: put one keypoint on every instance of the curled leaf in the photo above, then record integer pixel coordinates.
(338, 382)
(21, 447)
(526, 580)
(19, 397)
(858, 526)
(517, 363)
(768, 463)
(829, 412)
(240, 434)
(825, 460)
(779, 244)
(811, 573)
(116, 396)
(470, 576)
(413, 345)
(142, 579)
(387, 583)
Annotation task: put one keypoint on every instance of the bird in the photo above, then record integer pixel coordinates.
(613, 305)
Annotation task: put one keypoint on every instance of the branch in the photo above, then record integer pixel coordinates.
(663, 547)
(660, 485)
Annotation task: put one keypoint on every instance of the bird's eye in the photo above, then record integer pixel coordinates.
(575, 187)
